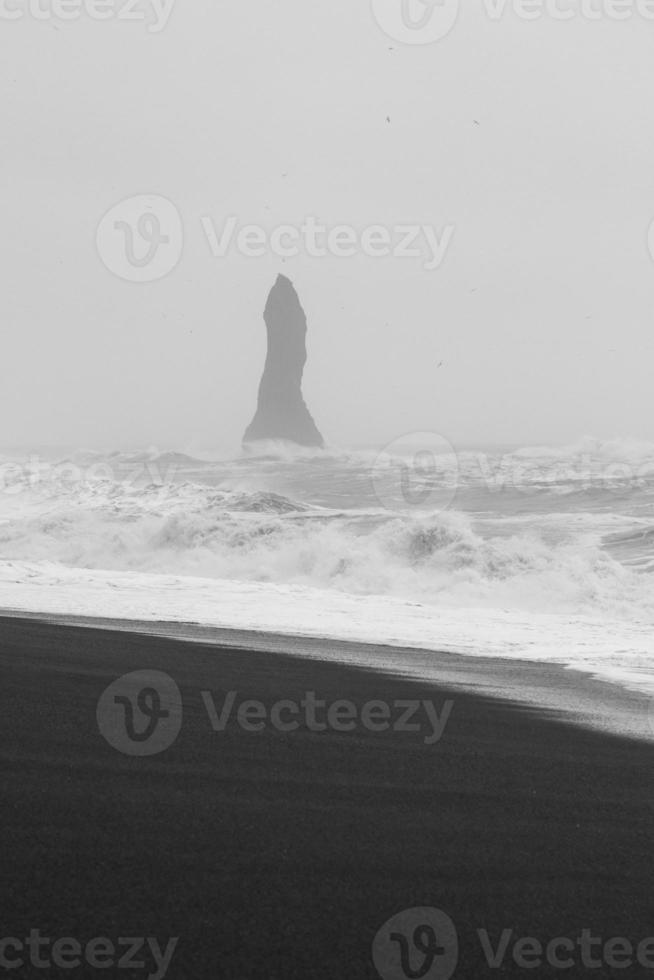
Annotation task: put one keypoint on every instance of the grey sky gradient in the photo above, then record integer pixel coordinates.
(542, 312)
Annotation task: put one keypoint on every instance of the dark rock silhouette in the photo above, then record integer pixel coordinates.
(281, 411)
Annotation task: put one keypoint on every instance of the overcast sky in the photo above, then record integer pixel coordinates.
(532, 140)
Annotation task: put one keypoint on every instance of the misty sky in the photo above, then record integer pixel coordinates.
(542, 312)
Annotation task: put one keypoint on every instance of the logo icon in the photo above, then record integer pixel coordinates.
(650, 239)
(417, 944)
(416, 21)
(418, 472)
(141, 713)
(141, 239)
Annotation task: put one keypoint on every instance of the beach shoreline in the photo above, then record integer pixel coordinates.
(572, 694)
(617, 649)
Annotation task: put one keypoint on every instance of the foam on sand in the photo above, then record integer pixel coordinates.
(612, 650)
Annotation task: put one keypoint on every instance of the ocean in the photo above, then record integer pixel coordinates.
(531, 553)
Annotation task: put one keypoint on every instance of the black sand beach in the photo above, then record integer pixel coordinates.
(279, 855)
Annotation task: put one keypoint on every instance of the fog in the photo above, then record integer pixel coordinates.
(524, 146)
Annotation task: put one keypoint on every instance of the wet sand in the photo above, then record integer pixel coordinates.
(279, 855)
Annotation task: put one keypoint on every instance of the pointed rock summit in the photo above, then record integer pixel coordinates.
(281, 411)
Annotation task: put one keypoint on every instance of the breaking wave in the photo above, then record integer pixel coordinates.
(447, 559)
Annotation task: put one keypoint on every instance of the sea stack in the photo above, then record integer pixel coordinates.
(281, 411)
